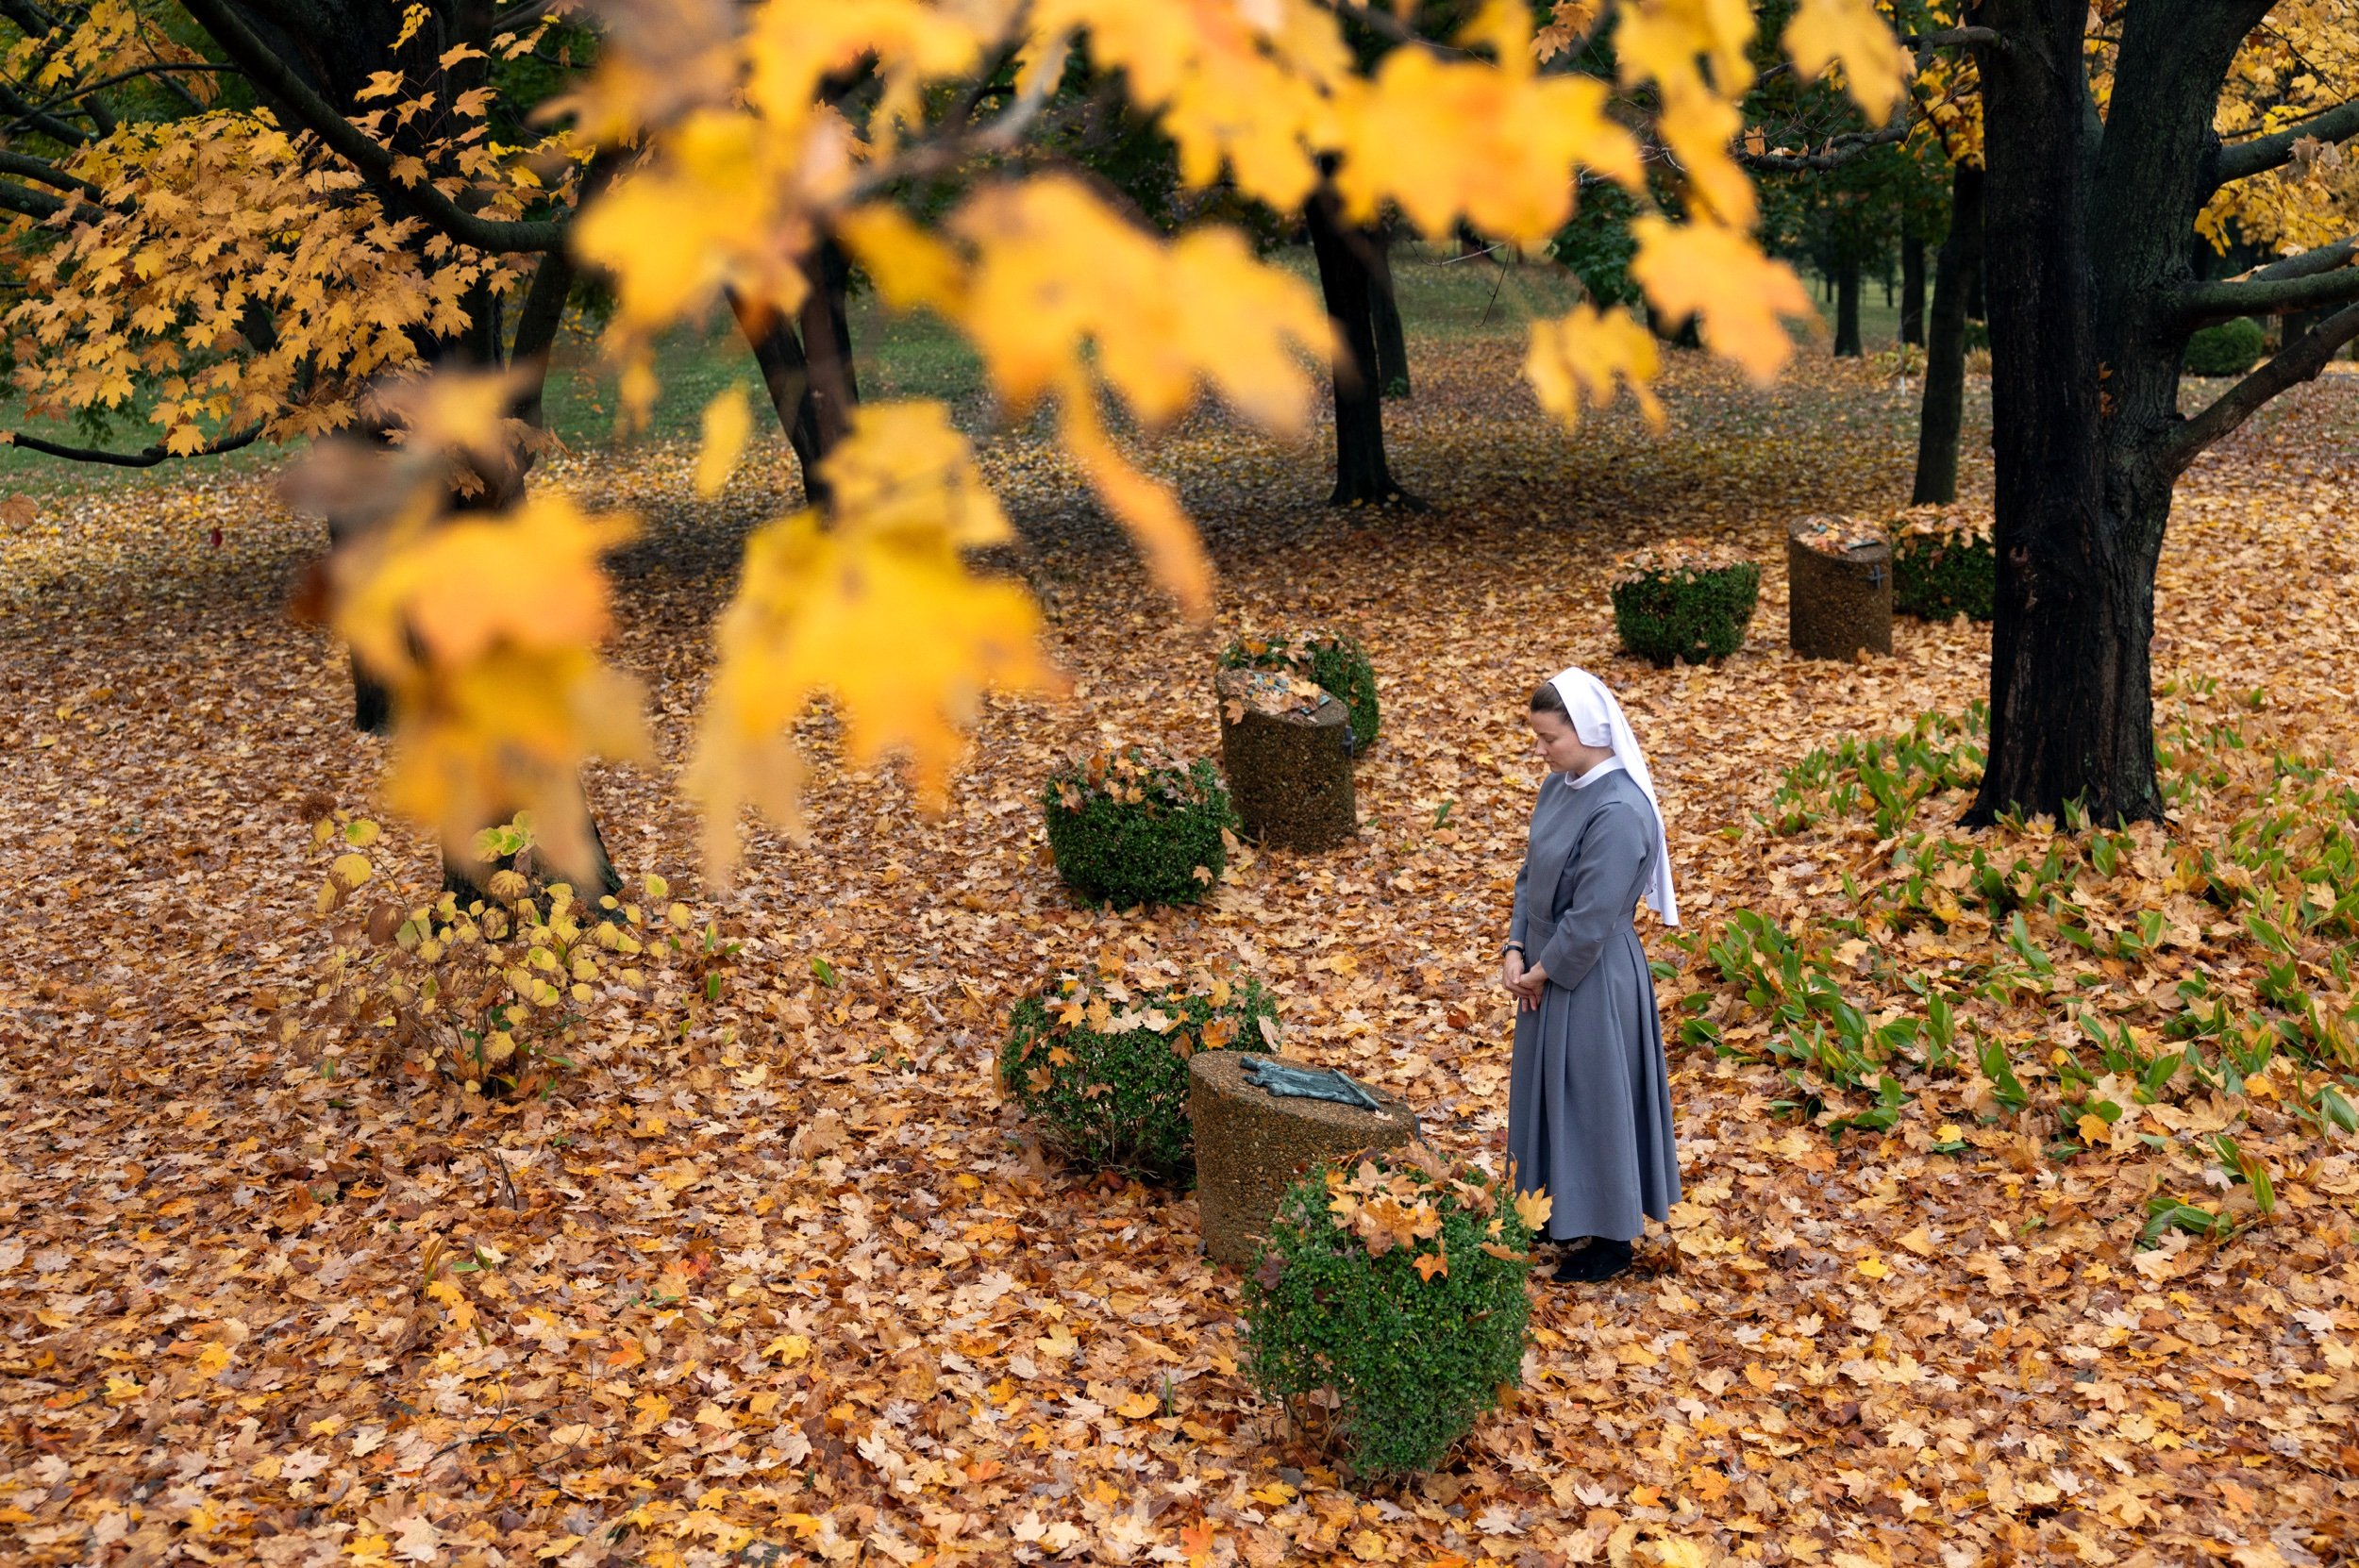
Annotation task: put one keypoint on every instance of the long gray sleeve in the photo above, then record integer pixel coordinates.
(1607, 872)
(1518, 921)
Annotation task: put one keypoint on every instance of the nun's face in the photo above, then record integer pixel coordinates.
(1554, 743)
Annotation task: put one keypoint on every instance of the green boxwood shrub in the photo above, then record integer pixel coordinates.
(1943, 564)
(1106, 1077)
(1336, 661)
(1676, 602)
(1133, 828)
(1397, 1285)
(2228, 348)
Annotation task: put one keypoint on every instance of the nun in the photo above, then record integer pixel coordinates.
(1589, 1093)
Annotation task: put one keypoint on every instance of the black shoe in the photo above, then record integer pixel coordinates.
(1601, 1260)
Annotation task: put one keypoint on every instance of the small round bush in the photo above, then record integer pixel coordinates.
(1395, 1286)
(1105, 1075)
(2229, 348)
(1335, 661)
(1943, 564)
(1681, 602)
(1131, 827)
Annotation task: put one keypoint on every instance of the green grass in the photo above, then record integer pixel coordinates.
(1878, 322)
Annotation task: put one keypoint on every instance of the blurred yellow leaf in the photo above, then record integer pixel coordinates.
(1852, 34)
(1586, 354)
(729, 420)
(878, 612)
(1719, 276)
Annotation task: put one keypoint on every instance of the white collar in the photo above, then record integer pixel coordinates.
(1593, 774)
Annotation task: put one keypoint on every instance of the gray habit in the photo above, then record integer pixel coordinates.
(1589, 1094)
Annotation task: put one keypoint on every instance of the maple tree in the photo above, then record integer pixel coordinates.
(737, 155)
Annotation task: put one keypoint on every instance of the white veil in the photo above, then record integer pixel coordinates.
(1598, 721)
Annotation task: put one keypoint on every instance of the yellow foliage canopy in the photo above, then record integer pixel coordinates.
(733, 164)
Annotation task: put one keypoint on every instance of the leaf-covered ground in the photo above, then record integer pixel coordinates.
(775, 1274)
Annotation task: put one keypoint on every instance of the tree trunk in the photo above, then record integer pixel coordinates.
(1391, 344)
(1943, 412)
(1684, 333)
(808, 372)
(1847, 343)
(1913, 289)
(1360, 474)
(827, 342)
(786, 376)
(2090, 230)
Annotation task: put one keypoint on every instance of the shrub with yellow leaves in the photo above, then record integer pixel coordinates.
(496, 995)
(1391, 1296)
(1103, 1069)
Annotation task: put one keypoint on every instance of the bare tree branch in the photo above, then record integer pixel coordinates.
(41, 171)
(525, 15)
(40, 120)
(2302, 282)
(1949, 36)
(2243, 159)
(161, 70)
(30, 202)
(2300, 360)
(28, 16)
(374, 160)
(993, 136)
(1840, 150)
(146, 458)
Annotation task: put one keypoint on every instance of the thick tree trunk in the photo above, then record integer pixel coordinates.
(1912, 288)
(1392, 343)
(2090, 230)
(1360, 474)
(2070, 714)
(1943, 413)
(1846, 340)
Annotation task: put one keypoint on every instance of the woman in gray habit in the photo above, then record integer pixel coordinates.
(1589, 1094)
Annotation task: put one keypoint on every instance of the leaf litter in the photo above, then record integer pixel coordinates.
(770, 1272)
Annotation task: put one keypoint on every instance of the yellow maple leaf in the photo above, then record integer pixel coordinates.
(1851, 34)
(1533, 1208)
(528, 580)
(1585, 355)
(1444, 139)
(1139, 1406)
(877, 611)
(729, 422)
(1719, 275)
(1431, 1263)
(1059, 294)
